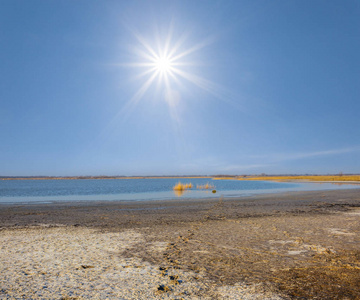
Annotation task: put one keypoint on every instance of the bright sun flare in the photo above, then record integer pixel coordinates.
(163, 64)
(167, 62)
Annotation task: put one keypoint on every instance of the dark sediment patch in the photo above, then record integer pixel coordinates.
(123, 214)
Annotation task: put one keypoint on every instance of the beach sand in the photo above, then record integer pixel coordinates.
(300, 245)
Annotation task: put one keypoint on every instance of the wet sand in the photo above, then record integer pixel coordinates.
(300, 245)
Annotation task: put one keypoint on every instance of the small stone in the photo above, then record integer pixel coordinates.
(87, 266)
(163, 288)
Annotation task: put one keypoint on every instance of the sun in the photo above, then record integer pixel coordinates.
(168, 64)
(163, 64)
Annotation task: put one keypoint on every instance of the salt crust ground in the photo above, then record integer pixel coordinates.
(80, 263)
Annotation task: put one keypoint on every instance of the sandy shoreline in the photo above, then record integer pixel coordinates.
(300, 245)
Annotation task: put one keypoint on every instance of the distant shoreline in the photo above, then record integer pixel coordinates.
(336, 178)
(97, 177)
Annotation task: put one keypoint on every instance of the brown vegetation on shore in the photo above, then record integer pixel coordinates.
(182, 187)
(325, 178)
(206, 186)
(305, 178)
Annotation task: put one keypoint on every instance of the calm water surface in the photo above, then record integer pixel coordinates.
(31, 191)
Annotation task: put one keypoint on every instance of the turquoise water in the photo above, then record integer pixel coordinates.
(30, 191)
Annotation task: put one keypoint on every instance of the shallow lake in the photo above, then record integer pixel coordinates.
(31, 191)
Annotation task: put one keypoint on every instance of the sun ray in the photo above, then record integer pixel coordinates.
(146, 56)
(167, 42)
(178, 44)
(139, 94)
(146, 45)
(143, 74)
(195, 48)
(210, 87)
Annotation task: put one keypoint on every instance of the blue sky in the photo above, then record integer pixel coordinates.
(249, 87)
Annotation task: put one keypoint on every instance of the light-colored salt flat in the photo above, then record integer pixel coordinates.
(55, 263)
(81, 263)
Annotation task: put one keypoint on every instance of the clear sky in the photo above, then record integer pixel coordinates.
(179, 87)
